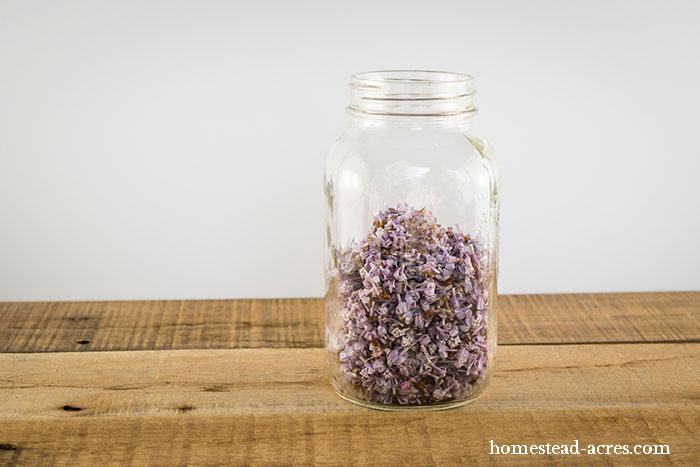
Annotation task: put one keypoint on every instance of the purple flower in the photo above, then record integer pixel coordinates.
(413, 299)
(396, 356)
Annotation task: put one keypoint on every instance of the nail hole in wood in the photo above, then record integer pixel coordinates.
(216, 388)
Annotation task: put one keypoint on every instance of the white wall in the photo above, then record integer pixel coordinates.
(175, 149)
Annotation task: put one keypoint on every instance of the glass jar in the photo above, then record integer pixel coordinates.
(411, 245)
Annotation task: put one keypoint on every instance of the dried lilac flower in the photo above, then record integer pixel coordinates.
(413, 310)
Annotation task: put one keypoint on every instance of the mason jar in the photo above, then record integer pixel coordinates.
(411, 244)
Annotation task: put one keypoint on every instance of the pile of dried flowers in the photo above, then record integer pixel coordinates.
(414, 308)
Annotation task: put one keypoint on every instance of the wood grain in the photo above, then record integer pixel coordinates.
(153, 325)
(297, 323)
(592, 318)
(437, 438)
(289, 381)
(242, 382)
(274, 406)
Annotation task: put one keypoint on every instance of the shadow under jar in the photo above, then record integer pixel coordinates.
(411, 245)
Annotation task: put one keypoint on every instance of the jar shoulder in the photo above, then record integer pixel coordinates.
(364, 152)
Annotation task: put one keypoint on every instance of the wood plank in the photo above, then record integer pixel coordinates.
(297, 323)
(274, 406)
(259, 381)
(437, 438)
(592, 318)
(154, 325)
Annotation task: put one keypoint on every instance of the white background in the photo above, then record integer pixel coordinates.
(175, 149)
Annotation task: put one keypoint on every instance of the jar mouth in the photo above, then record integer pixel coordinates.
(411, 93)
(376, 78)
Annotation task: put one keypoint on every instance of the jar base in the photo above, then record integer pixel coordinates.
(411, 408)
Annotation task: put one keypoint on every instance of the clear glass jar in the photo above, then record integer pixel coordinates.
(411, 245)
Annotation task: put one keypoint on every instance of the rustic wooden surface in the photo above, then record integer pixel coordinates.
(298, 323)
(243, 382)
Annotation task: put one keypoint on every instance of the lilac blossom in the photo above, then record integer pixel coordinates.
(413, 311)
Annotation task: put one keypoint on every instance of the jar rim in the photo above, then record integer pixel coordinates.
(418, 93)
(373, 79)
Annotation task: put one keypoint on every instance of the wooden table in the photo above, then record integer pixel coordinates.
(243, 382)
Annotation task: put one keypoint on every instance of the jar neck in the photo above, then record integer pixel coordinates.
(411, 98)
